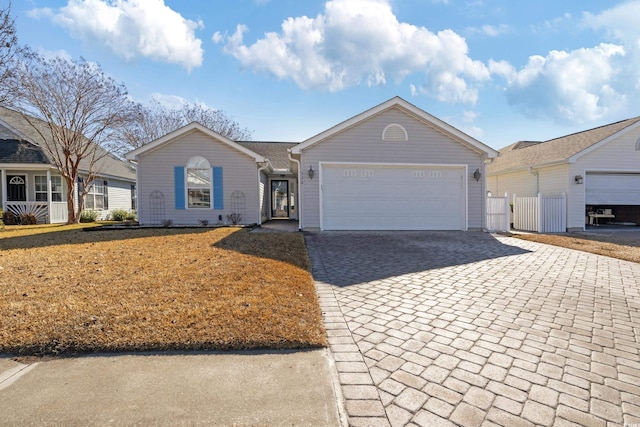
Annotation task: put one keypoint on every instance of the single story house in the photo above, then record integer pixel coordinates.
(598, 170)
(30, 182)
(392, 167)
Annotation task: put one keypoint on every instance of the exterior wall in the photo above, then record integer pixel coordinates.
(522, 183)
(553, 180)
(119, 194)
(363, 144)
(156, 173)
(619, 155)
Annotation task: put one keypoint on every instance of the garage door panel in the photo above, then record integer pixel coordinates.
(613, 189)
(390, 197)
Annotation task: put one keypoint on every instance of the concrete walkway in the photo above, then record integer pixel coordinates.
(226, 389)
(470, 329)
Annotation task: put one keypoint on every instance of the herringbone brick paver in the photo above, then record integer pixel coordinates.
(452, 328)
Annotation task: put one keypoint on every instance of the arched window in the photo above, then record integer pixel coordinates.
(394, 132)
(199, 182)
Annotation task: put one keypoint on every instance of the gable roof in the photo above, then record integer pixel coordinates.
(14, 127)
(409, 108)
(276, 152)
(191, 127)
(565, 149)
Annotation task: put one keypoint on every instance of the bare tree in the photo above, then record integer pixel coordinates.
(76, 113)
(10, 51)
(157, 120)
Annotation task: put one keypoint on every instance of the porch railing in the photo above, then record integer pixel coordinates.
(40, 210)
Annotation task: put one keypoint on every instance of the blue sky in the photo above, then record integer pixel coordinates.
(499, 70)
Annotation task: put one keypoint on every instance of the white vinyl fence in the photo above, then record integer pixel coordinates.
(543, 214)
(498, 213)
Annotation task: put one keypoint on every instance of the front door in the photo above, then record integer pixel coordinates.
(16, 188)
(280, 199)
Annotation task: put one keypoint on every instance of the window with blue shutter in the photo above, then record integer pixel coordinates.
(178, 182)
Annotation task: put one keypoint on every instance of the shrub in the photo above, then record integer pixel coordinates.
(89, 216)
(9, 218)
(27, 219)
(131, 216)
(167, 222)
(203, 222)
(119, 214)
(234, 218)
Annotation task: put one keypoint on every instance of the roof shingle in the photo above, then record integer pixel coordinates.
(525, 154)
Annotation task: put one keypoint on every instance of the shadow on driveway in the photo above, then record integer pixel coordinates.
(348, 258)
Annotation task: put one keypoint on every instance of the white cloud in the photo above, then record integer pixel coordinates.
(132, 28)
(621, 22)
(490, 30)
(361, 42)
(174, 102)
(569, 87)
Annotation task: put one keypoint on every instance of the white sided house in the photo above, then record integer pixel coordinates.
(30, 183)
(393, 167)
(597, 171)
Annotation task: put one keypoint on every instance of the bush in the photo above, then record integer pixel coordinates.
(131, 216)
(9, 218)
(28, 219)
(89, 216)
(1, 221)
(119, 214)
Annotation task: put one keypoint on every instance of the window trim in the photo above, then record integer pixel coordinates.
(92, 193)
(205, 166)
(36, 192)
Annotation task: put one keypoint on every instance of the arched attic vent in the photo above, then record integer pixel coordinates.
(394, 132)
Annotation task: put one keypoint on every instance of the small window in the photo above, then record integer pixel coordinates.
(394, 132)
(95, 196)
(199, 182)
(41, 188)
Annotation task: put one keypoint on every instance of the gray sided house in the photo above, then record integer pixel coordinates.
(598, 170)
(30, 183)
(393, 167)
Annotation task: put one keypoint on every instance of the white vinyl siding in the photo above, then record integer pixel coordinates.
(362, 144)
(521, 183)
(156, 173)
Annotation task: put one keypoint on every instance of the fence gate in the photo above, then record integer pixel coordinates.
(498, 213)
(543, 214)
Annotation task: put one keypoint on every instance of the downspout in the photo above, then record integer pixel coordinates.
(535, 173)
(299, 189)
(264, 166)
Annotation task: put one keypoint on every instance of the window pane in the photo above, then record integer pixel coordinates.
(99, 202)
(89, 202)
(56, 197)
(198, 178)
(41, 197)
(199, 198)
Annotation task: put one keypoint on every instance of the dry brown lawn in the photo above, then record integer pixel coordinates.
(621, 245)
(64, 290)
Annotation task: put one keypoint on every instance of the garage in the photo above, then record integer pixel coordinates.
(393, 197)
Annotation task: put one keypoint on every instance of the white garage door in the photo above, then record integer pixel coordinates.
(393, 197)
(612, 189)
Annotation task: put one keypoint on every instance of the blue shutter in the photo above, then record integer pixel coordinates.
(178, 181)
(106, 195)
(218, 193)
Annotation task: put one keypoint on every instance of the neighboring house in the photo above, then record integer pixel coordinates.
(598, 170)
(30, 183)
(393, 167)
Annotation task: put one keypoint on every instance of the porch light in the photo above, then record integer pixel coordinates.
(578, 179)
(311, 172)
(477, 174)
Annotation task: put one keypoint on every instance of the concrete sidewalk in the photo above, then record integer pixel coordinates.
(239, 389)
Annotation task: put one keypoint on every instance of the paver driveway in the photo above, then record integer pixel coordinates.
(454, 328)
